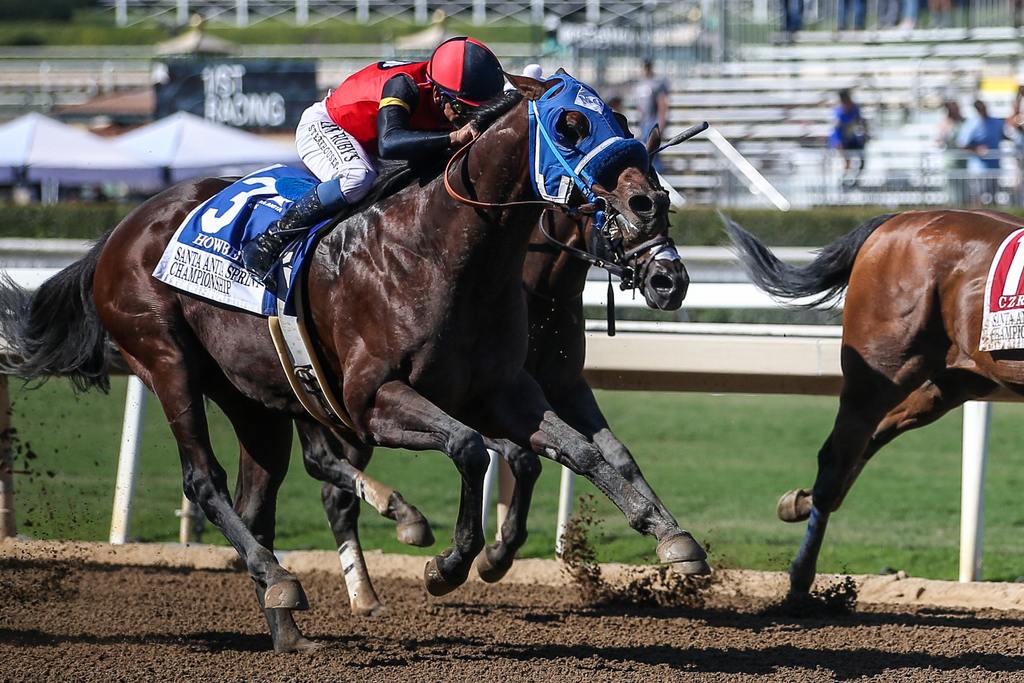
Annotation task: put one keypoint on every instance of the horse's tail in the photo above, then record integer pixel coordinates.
(825, 278)
(55, 331)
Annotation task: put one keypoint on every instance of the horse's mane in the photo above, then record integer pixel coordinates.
(487, 114)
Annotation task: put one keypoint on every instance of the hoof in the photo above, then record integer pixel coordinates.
(415, 533)
(681, 549)
(795, 505)
(435, 582)
(301, 644)
(691, 568)
(488, 570)
(286, 594)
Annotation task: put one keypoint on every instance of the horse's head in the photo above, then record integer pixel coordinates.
(581, 157)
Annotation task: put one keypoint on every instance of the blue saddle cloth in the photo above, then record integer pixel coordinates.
(204, 256)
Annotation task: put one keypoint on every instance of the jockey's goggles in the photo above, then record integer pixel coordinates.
(460, 107)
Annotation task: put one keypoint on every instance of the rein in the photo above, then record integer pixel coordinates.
(459, 154)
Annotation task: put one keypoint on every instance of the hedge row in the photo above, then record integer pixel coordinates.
(699, 226)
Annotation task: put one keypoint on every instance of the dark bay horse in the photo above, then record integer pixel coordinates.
(554, 280)
(915, 290)
(418, 309)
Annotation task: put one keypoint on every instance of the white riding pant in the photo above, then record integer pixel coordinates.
(332, 154)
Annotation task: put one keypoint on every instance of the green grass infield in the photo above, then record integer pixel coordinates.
(719, 462)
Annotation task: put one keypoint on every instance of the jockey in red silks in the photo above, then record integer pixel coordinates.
(389, 110)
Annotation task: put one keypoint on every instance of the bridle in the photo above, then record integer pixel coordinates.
(627, 264)
(623, 262)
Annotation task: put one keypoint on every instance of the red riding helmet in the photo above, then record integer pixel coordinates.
(466, 70)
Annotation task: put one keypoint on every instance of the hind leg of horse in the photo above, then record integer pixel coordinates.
(173, 368)
(579, 408)
(523, 415)
(402, 418)
(265, 441)
(411, 527)
(342, 507)
(496, 559)
(926, 404)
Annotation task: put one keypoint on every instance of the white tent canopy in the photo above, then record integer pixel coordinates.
(187, 146)
(51, 151)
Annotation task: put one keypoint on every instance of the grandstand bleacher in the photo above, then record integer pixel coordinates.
(773, 102)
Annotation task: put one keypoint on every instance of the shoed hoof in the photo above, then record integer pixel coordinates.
(691, 568)
(417, 534)
(286, 594)
(680, 548)
(795, 505)
(300, 644)
(488, 570)
(436, 584)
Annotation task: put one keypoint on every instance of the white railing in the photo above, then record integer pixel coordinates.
(662, 356)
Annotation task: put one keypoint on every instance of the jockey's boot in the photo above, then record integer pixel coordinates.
(323, 201)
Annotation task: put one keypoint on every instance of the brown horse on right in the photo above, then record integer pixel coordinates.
(915, 289)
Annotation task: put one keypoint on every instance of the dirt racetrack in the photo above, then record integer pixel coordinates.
(71, 619)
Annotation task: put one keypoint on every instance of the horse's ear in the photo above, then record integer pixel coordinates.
(563, 72)
(654, 139)
(623, 123)
(531, 88)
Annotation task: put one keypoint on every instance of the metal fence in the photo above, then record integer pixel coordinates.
(309, 12)
(815, 177)
(751, 22)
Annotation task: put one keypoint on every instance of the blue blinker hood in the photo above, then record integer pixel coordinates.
(555, 166)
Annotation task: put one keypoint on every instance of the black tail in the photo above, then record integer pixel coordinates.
(825, 278)
(55, 331)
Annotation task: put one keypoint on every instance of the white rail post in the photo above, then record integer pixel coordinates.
(490, 484)
(241, 13)
(301, 12)
(977, 418)
(565, 496)
(182, 18)
(128, 459)
(121, 12)
(8, 528)
(419, 11)
(479, 12)
(362, 11)
(593, 11)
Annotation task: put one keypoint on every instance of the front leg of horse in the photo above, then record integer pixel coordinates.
(558, 441)
(496, 559)
(525, 417)
(402, 418)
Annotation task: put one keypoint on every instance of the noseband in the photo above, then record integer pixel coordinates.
(624, 264)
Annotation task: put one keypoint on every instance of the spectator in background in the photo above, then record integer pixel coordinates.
(650, 97)
(888, 13)
(940, 13)
(954, 162)
(910, 8)
(1014, 130)
(980, 136)
(792, 18)
(849, 136)
(843, 8)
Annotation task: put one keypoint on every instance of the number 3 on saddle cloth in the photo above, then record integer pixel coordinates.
(203, 258)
